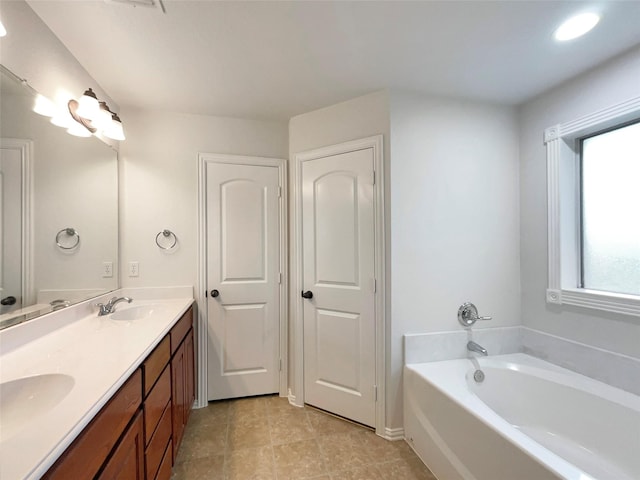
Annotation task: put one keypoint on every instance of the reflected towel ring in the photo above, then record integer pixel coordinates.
(70, 232)
(167, 233)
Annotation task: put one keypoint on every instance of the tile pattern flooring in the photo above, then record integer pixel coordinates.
(265, 438)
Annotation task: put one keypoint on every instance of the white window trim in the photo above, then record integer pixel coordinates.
(563, 211)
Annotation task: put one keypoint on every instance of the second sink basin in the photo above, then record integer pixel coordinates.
(135, 313)
(25, 399)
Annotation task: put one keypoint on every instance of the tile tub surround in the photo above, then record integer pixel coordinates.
(615, 369)
(97, 352)
(434, 347)
(268, 439)
(621, 371)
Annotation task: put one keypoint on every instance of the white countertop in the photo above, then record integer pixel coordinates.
(97, 352)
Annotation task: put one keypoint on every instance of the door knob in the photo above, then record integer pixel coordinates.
(8, 300)
(307, 294)
(215, 293)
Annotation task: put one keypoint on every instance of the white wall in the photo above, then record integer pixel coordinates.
(159, 185)
(454, 219)
(609, 84)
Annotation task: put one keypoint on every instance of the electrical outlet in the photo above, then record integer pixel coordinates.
(134, 269)
(107, 269)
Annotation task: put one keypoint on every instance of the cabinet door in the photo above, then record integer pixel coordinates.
(127, 461)
(177, 397)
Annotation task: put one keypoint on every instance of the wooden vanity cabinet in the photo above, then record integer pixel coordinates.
(86, 455)
(127, 460)
(182, 376)
(136, 434)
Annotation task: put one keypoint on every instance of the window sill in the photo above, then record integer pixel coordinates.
(597, 300)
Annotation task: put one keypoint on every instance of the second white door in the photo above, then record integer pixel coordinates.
(339, 284)
(243, 277)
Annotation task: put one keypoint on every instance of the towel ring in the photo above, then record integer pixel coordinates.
(166, 233)
(70, 232)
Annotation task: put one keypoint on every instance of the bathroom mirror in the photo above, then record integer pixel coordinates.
(58, 211)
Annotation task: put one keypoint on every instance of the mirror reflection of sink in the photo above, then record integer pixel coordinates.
(25, 399)
(135, 313)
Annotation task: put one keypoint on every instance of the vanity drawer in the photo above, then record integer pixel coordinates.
(87, 453)
(164, 472)
(180, 329)
(155, 403)
(155, 363)
(158, 444)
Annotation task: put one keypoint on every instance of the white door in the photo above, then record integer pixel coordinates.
(11, 217)
(338, 270)
(243, 256)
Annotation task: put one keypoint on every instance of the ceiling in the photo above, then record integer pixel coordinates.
(274, 60)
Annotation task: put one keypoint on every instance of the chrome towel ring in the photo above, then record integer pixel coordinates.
(69, 232)
(166, 234)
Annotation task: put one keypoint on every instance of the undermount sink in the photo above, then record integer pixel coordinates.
(25, 399)
(135, 313)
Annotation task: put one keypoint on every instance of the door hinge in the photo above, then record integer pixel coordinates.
(280, 278)
(206, 293)
(375, 393)
(374, 178)
(280, 365)
(279, 192)
(374, 285)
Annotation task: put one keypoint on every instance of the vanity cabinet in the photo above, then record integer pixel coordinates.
(183, 376)
(87, 454)
(136, 434)
(127, 460)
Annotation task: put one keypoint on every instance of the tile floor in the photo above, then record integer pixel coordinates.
(265, 438)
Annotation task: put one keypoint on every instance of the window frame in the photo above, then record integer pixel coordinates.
(563, 145)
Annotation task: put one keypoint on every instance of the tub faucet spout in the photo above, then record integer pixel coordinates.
(474, 347)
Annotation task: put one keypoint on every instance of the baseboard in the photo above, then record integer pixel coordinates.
(394, 434)
(292, 400)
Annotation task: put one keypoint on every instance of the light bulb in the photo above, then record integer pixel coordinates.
(78, 130)
(103, 118)
(576, 26)
(88, 106)
(43, 106)
(114, 131)
(62, 117)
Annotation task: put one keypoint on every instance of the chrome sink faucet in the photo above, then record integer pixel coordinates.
(109, 307)
(474, 347)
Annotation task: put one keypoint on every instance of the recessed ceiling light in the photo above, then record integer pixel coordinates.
(576, 26)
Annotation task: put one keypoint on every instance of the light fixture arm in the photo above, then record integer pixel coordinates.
(73, 108)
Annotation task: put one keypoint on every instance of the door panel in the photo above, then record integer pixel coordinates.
(243, 341)
(243, 265)
(338, 267)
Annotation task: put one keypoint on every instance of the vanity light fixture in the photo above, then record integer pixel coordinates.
(94, 117)
(576, 26)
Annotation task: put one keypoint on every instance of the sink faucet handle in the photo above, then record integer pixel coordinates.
(468, 314)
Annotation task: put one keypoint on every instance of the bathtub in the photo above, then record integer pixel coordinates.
(528, 420)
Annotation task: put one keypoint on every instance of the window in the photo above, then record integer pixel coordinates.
(610, 206)
(593, 201)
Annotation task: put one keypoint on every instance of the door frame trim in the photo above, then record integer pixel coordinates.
(296, 396)
(201, 286)
(25, 148)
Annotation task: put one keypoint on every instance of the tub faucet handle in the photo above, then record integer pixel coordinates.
(468, 314)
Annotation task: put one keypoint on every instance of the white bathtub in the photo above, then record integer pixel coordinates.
(528, 420)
